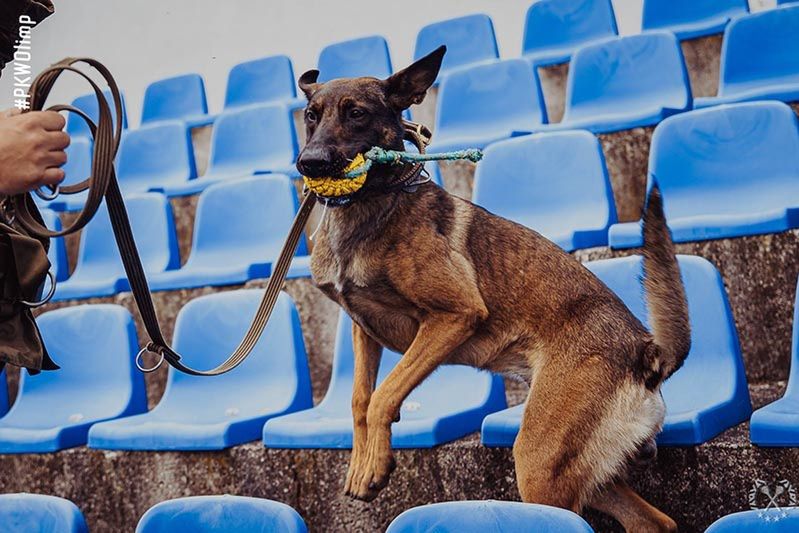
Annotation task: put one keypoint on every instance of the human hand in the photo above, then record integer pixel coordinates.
(31, 150)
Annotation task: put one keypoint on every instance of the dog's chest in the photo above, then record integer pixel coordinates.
(357, 281)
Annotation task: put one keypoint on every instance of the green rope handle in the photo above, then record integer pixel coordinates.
(395, 157)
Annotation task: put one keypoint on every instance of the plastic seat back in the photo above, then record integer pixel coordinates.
(713, 373)
(257, 137)
(366, 56)
(265, 80)
(727, 160)
(25, 513)
(469, 39)
(77, 127)
(758, 520)
(95, 346)
(488, 516)
(244, 221)
(500, 97)
(155, 154)
(221, 514)
(639, 74)
(79, 160)
(3, 393)
(274, 376)
(58, 250)
(179, 97)
(760, 49)
(556, 184)
(150, 216)
(691, 18)
(555, 28)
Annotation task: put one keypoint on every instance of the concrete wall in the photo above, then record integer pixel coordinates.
(144, 40)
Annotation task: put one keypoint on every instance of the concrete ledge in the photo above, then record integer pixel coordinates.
(693, 485)
(553, 85)
(702, 59)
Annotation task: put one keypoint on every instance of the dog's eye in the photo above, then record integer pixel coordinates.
(356, 113)
(310, 116)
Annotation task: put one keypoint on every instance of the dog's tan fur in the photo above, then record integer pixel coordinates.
(444, 281)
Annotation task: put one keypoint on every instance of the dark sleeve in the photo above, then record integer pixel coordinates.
(10, 12)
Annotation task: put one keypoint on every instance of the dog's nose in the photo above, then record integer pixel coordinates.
(313, 161)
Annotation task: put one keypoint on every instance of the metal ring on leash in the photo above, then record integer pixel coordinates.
(47, 298)
(40, 192)
(144, 350)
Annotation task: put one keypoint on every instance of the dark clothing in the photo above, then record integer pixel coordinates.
(10, 12)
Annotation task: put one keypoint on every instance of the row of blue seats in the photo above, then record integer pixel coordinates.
(727, 171)
(554, 30)
(617, 84)
(241, 514)
(269, 395)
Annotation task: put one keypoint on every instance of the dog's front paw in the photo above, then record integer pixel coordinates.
(367, 477)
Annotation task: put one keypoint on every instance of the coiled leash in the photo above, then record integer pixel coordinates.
(103, 184)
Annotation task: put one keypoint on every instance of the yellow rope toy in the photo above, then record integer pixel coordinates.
(351, 181)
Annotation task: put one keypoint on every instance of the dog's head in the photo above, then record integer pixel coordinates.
(346, 117)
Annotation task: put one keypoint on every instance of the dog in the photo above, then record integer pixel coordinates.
(442, 280)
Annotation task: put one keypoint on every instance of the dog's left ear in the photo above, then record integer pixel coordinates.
(307, 83)
(409, 85)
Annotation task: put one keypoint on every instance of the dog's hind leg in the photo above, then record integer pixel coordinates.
(367, 361)
(581, 425)
(631, 510)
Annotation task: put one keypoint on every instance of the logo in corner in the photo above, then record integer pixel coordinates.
(772, 503)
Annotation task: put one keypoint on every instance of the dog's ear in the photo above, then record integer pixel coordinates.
(409, 85)
(308, 83)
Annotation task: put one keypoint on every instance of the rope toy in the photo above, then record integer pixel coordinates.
(354, 175)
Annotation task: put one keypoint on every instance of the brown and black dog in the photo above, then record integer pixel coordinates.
(443, 281)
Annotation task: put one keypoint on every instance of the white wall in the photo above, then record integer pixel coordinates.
(144, 40)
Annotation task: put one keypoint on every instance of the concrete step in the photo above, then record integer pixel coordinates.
(694, 485)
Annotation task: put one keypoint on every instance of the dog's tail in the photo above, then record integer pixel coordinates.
(665, 293)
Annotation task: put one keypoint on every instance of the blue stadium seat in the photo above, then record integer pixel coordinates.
(246, 141)
(487, 516)
(221, 514)
(469, 40)
(3, 392)
(28, 513)
(777, 424)
(176, 98)
(451, 403)
(58, 250)
(554, 183)
(198, 413)
(724, 172)
(260, 81)
(709, 393)
(155, 156)
(759, 58)
(95, 346)
(77, 127)
(554, 29)
(690, 19)
(77, 168)
(231, 246)
(758, 521)
(99, 270)
(625, 83)
(485, 103)
(786, 2)
(366, 56)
